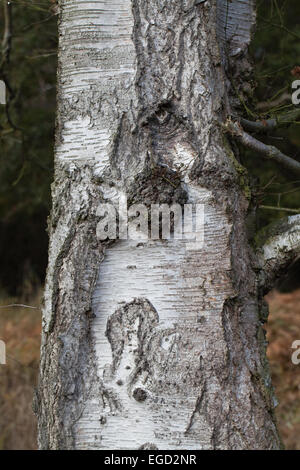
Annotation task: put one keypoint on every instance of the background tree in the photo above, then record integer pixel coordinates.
(27, 65)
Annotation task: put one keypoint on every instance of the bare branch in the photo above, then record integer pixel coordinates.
(278, 248)
(267, 151)
(18, 305)
(6, 42)
(280, 209)
(267, 125)
(266, 105)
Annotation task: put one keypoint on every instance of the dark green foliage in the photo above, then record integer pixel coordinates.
(26, 143)
(276, 52)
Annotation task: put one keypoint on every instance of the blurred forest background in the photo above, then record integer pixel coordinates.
(27, 123)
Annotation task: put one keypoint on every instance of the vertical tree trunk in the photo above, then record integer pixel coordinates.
(150, 345)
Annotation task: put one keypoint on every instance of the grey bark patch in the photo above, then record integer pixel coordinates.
(148, 446)
(135, 320)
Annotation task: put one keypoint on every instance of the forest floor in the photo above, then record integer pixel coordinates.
(20, 329)
(282, 330)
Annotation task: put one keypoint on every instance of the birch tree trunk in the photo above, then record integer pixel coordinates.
(149, 345)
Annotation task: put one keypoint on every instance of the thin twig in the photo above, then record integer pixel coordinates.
(267, 151)
(266, 105)
(284, 28)
(264, 126)
(284, 209)
(19, 305)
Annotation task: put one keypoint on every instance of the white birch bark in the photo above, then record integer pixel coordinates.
(150, 345)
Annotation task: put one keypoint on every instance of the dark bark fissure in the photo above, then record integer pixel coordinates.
(68, 371)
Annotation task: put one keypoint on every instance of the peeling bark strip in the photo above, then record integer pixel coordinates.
(236, 19)
(148, 345)
(278, 247)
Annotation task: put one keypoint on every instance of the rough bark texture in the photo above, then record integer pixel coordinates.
(150, 345)
(278, 247)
